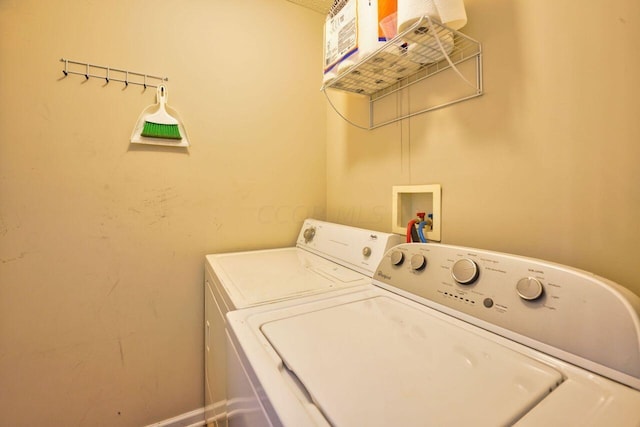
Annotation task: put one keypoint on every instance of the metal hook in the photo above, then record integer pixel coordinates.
(106, 74)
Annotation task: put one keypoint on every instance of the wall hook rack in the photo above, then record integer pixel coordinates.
(110, 74)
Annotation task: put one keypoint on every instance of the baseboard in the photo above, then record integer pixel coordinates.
(216, 413)
(194, 418)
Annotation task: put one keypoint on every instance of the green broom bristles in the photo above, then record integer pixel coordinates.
(159, 130)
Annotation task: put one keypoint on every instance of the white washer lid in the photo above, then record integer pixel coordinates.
(381, 361)
(258, 277)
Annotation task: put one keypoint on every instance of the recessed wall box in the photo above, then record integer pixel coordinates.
(410, 199)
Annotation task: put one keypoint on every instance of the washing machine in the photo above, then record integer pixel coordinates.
(328, 259)
(445, 336)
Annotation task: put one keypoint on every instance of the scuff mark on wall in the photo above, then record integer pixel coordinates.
(121, 351)
(7, 227)
(157, 204)
(3, 227)
(154, 308)
(115, 285)
(18, 258)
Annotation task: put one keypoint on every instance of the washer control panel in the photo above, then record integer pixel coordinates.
(536, 301)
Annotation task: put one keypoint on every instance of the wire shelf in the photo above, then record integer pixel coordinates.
(425, 49)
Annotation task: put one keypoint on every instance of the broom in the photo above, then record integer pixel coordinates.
(161, 124)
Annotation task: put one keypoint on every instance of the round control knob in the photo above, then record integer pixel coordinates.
(529, 288)
(308, 234)
(464, 271)
(397, 257)
(418, 262)
(366, 251)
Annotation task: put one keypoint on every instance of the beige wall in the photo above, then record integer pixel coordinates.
(544, 164)
(101, 243)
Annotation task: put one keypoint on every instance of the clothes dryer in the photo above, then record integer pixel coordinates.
(328, 259)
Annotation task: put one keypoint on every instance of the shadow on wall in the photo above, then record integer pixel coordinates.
(491, 118)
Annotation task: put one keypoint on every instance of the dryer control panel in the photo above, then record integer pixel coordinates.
(352, 247)
(554, 308)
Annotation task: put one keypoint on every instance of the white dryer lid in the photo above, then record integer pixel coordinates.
(405, 366)
(258, 277)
